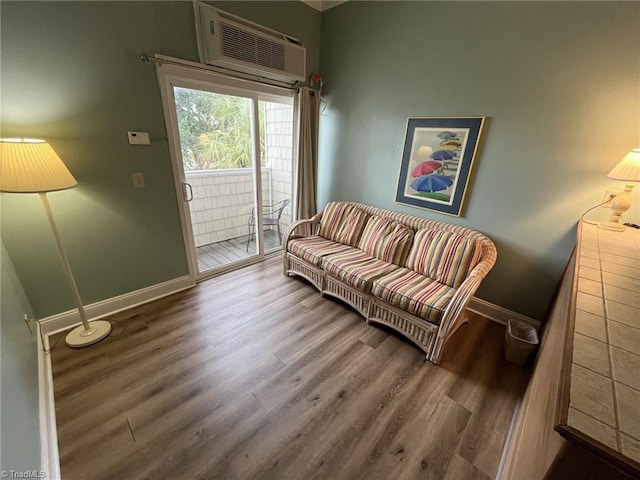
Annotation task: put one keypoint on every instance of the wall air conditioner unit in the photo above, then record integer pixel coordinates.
(225, 40)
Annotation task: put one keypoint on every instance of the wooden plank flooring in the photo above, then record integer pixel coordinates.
(219, 254)
(253, 375)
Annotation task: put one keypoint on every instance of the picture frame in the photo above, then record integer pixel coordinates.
(437, 160)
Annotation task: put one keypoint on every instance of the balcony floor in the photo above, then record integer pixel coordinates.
(219, 254)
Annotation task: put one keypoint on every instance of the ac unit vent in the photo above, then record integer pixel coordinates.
(235, 43)
(251, 48)
(270, 54)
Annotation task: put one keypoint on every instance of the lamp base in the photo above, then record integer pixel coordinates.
(79, 337)
(611, 226)
(619, 206)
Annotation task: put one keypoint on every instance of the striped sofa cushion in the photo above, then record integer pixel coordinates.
(414, 293)
(342, 223)
(312, 249)
(356, 268)
(352, 226)
(446, 257)
(386, 240)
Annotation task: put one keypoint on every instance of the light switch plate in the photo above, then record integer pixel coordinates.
(138, 138)
(138, 180)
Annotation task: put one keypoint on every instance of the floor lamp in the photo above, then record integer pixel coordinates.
(32, 166)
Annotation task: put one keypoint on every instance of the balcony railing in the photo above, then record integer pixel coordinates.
(223, 200)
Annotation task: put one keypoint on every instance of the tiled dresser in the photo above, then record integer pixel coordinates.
(600, 398)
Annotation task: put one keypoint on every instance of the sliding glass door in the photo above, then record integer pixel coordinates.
(233, 151)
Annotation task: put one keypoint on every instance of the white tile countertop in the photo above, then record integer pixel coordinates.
(604, 379)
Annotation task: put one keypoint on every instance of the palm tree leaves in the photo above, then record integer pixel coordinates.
(215, 130)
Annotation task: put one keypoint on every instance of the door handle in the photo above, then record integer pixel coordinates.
(187, 192)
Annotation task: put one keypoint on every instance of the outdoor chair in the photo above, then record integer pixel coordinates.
(270, 216)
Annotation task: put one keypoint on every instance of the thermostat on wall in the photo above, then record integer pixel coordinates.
(138, 138)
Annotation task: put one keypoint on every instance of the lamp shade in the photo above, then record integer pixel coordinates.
(629, 167)
(31, 166)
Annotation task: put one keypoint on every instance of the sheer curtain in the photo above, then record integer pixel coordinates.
(309, 101)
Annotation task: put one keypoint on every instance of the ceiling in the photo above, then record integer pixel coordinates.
(322, 5)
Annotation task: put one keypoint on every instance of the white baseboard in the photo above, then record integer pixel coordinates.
(498, 314)
(49, 459)
(65, 320)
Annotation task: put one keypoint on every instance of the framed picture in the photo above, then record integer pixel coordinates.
(436, 162)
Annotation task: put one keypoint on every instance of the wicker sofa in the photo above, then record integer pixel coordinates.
(413, 274)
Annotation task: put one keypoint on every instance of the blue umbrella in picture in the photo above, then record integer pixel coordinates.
(446, 135)
(443, 155)
(431, 183)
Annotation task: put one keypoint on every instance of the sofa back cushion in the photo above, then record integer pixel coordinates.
(342, 223)
(386, 240)
(443, 256)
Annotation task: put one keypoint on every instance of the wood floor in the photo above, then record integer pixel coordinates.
(219, 254)
(253, 375)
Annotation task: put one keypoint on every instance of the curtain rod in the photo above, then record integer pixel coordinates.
(145, 58)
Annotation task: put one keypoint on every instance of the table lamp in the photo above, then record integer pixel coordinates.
(628, 170)
(32, 166)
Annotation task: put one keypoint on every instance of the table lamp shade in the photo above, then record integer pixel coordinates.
(31, 166)
(629, 167)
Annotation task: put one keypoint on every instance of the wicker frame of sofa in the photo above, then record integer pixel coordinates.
(430, 337)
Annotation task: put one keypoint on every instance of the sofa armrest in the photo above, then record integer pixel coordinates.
(458, 303)
(455, 310)
(299, 229)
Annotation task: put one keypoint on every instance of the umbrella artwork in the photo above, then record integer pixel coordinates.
(425, 168)
(428, 175)
(431, 183)
(446, 135)
(436, 162)
(435, 178)
(451, 147)
(443, 155)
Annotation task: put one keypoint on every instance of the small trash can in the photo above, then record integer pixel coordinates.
(521, 340)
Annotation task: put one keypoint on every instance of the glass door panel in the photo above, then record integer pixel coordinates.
(217, 146)
(276, 145)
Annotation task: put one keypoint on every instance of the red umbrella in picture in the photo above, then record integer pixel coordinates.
(425, 168)
(431, 183)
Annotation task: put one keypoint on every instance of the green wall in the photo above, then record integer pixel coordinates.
(71, 74)
(559, 83)
(19, 421)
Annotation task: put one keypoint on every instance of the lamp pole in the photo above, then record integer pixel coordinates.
(65, 263)
(88, 333)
